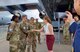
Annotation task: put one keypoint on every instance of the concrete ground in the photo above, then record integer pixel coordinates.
(4, 45)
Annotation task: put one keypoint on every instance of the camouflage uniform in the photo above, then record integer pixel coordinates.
(24, 27)
(14, 37)
(38, 26)
(66, 34)
(32, 39)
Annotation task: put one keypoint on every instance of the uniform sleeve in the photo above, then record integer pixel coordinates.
(22, 28)
(29, 28)
(11, 27)
(10, 30)
(25, 28)
(40, 25)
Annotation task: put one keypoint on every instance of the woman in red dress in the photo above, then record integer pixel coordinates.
(48, 29)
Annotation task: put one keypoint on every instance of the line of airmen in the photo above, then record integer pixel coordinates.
(20, 34)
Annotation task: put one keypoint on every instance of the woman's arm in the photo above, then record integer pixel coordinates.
(50, 29)
(39, 30)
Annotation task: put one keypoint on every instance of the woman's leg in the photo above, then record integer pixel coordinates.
(50, 51)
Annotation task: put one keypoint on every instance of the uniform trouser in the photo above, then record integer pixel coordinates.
(33, 46)
(14, 46)
(22, 45)
(17, 46)
(39, 38)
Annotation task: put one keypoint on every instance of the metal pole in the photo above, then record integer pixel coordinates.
(59, 30)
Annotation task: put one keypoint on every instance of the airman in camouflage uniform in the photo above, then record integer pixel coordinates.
(66, 35)
(24, 27)
(32, 37)
(13, 35)
(38, 26)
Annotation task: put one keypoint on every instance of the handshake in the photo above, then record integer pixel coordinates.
(33, 30)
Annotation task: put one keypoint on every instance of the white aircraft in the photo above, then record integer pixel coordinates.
(17, 5)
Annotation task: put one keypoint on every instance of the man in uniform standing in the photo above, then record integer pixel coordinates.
(32, 37)
(13, 35)
(66, 34)
(24, 27)
(38, 26)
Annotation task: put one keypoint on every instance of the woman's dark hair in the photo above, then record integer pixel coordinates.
(48, 19)
(14, 17)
